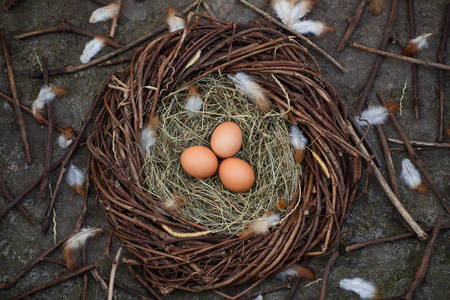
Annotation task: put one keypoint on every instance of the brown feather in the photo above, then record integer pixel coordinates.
(69, 258)
(299, 155)
(78, 189)
(305, 273)
(392, 107)
(410, 49)
(68, 132)
(375, 7)
(422, 189)
(59, 91)
(39, 118)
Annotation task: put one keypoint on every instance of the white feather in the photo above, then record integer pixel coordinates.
(175, 23)
(376, 114)
(250, 89)
(148, 139)
(194, 103)
(45, 96)
(421, 41)
(79, 239)
(291, 272)
(261, 225)
(104, 13)
(91, 49)
(63, 142)
(259, 297)
(410, 174)
(298, 140)
(308, 26)
(291, 11)
(75, 176)
(365, 289)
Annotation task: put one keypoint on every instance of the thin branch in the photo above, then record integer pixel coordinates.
(421, 144)
(415, 75)
(112, 277)
(112, 32)
(326, 273)
(414, 157)
(425, 63)
(12, 83)
(353, 22)
(300, 36)
(441, 58)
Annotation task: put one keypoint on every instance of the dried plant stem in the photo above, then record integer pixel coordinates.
(366, 142)
(387, 34)
(326, 273)
(414, 157)
(425, 63)
(208, 9)
(421, 144)
(441, 58)
(422, 271)
(112, 32)
(300, 36)
(63, 26)
(141, 280)
(293, 289)
(127, 289)
(112, 277)
(415, 75)
(7, 195)
(353, 22)
(388, 191)
(59, 279)
(12, 83)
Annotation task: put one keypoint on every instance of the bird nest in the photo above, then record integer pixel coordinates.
(175, 249)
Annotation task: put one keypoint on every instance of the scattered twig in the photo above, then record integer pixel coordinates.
(208, 9)
(112, 277)
(366, 142)
(414, 157)
(141, 280)
(127, 289)
(59, 279)
(62, 26)
(388, 191)
(293, 289)
(7, 195)
(421, 144)
(441, 57)
(99, 279)
(12, 83)
(326, 273)
(112, 32)
(387, 34)
(425, 63)
(268, 291)
(353, 22)
(300, 36)
(422, 271)
(415, 75)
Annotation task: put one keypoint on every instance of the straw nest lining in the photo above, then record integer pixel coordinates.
(266, 147)
(164, 244)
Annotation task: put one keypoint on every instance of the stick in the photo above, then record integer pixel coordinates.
(425, 63)
(12, 83)
(389, 193)
(112, 277)
(421, 144)
(142, 281)
(422, 271)
(208, 9)
(327, 272)
(353, 22)
(129, 290)
(112, 32)
(300, 36)
(7, 195)
(414, 157)
(50, 137)
(441, 57)
(293, 289)
(366, 142)
(415, 75)
(387, 33)
(268, 291)
(71, 69)
(59, 279)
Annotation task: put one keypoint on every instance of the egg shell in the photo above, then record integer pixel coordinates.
(226, 139)
(236, 175)
(199, 161)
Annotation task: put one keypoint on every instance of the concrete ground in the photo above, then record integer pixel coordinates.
(391, 266)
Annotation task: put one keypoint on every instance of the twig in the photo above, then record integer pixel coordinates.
(422, 271)
(208, 9)
(112, 277)
(387, 240)
(142, 281)
(50, 137)
(441, 57)
(394, 200)
(62, 26)
(127, 289)
(12, 83)
(7, 195)
(300, 36)
(421, 144)
(75, 145)
(71, 69)
(353, 22)
(425, 63)
(415, 75)
(112, 32)
(414, 157)
(326, 273)
(99, 279)
(366, 142)
(268, 291)
(387, 33)
(59, 279)
(293, 289)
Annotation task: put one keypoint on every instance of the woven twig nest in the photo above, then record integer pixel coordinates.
(176, 252)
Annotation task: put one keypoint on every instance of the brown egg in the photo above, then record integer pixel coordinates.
(236, 175)
(199, 161)
(226, 139)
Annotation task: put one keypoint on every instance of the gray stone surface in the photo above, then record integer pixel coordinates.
(391, 266)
